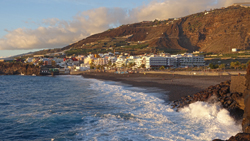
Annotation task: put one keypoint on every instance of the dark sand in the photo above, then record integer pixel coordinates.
(175, 86)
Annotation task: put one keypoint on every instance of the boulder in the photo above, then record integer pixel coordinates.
(238, 137)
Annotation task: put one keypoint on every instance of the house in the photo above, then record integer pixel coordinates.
(234, 49)
(48, 70)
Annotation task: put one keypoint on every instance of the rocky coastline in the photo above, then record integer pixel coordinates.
(228, 94)
(18, 68)
(235, 100)
(220, 94)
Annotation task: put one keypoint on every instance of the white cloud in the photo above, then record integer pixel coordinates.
(60, 33)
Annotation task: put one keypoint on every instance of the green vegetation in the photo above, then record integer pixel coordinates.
(162, 68)
(228, 55)
(172, 51)
(213, 66)
(130, 65)
(86, 51)
(194, 26)
(222, 66)
(142, 66)
(140, 46)
(121, 43)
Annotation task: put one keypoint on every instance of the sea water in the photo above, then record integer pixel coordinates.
(75, 108)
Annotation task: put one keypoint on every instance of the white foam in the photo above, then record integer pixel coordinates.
(143, 116)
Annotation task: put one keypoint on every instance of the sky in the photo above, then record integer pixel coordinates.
(31, 25)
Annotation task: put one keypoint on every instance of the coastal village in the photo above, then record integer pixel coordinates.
(149, 70)
(63, 64)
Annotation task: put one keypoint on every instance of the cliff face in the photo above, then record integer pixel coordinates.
(217, 31)
(18, 68)
(246, 116)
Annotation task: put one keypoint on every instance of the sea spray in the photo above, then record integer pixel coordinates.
(216, 121)
(149, 118)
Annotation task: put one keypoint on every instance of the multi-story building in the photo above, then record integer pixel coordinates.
(112, 59)
(120, 61)
(88, 59)
(101, 61)
(189, 60)
(157, 62)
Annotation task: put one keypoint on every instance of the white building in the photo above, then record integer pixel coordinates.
(157, 62)
(112, 59)
(189, 60)
(88, 59)
(234, 49)
(120, 60)
(101, 61)
(58, 60)
(29, 60)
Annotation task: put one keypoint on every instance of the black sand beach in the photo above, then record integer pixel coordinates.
(175, 86)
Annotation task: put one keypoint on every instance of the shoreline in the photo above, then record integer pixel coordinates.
(173, 86)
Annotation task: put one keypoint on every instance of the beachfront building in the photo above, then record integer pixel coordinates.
(140, 61)
(112, 59)
(121, 60)
(177, 61)
(157, 62)
(189, 60)
(89, 59)
(101, 61)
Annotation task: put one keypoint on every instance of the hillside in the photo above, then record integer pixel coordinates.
(216, 31)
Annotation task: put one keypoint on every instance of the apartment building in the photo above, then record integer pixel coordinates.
(157, 62)
(189, 60)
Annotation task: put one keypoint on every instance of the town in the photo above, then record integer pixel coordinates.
(61, 64)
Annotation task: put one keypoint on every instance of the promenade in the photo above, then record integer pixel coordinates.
(200, 73)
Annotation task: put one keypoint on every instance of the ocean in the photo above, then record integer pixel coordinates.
(69, 108)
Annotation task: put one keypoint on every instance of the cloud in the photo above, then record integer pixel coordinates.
(59, 33)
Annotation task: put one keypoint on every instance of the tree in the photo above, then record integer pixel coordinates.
(142, 66)
(243, 66)
(162, 68)
(247, 62)
(211, 66)
(92, 65)
(130, 65)
(235, 65)
(40, 63)
(109, 63)
(222, 66)
(98, 67)
(232, 65)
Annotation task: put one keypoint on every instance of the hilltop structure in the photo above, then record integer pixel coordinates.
(243, 4)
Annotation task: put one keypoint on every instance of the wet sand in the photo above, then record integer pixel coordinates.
(174, 86)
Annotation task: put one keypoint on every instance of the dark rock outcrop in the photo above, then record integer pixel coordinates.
(219, 93)
(18, 68)
(246, 116)
(238, 137)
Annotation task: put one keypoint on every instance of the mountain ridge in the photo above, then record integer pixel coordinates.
(216, 31)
